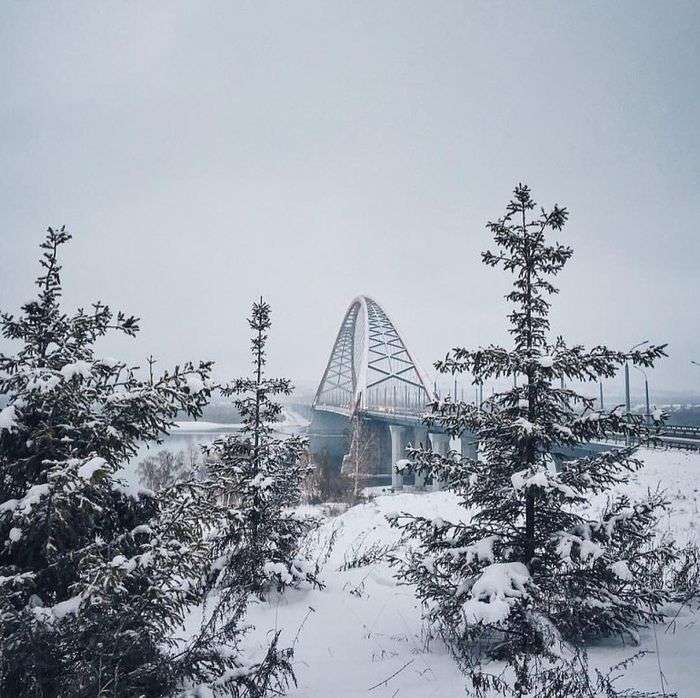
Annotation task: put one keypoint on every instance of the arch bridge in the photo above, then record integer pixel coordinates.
(372, 398)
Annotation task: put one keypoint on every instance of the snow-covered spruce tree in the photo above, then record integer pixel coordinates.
(258, 479)
(95, 576)
(535, 563)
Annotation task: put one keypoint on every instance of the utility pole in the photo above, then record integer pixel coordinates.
(602, 406)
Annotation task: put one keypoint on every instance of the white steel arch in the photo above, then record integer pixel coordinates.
(370, 366)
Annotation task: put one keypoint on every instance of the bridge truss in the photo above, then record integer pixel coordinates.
(370, 367)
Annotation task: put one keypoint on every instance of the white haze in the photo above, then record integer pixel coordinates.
(206, 153)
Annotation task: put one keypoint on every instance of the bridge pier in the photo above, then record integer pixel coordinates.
(441, 445)
(420, 438)
(469, 445)
(399, 442)
(328, 437)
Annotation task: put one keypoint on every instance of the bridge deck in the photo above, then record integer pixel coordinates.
(682, 436)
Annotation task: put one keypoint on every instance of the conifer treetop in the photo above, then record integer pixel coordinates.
(253, 394)
(526, 254)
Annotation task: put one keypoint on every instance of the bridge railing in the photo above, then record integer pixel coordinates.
(395, 409)
(681, 436)
(378, 409)
(690, 431)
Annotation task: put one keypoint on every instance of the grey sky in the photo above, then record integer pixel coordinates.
(205, 153)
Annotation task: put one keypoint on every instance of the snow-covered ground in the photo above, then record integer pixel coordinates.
(205, 426)
(363, 635)
(291, 422)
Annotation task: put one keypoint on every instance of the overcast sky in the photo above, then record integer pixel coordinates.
(205, 153)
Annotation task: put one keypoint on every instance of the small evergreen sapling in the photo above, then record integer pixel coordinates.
(258, 479)
(534, 566)
(253, 537)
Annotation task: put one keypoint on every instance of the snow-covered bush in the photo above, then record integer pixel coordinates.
(566, 676)
(534, 559)
(97, 576)
(324, 483)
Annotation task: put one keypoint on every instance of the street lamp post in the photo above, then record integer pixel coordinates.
(646, 391)
(628, 406)
(646, 394)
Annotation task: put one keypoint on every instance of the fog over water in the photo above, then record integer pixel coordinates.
(206, 153)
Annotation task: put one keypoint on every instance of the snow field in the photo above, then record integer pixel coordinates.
(363, 634)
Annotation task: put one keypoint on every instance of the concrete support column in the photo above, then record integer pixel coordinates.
(420, 438)
(441, 445)
(399, 441)
(469, 445)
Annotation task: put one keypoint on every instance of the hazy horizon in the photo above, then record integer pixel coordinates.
(205, 154)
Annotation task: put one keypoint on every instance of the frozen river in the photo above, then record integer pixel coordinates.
(194, 435)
